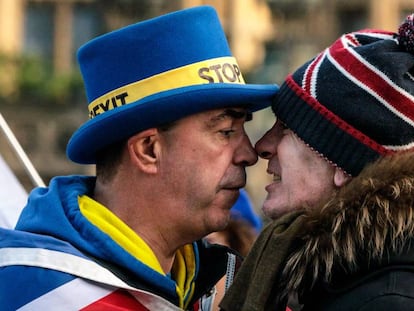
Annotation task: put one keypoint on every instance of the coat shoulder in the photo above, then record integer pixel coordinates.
(388, 289)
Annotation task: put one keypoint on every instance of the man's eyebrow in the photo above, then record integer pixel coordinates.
(232, 114)
(249, 116)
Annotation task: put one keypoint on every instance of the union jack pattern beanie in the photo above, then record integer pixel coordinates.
(354, 102)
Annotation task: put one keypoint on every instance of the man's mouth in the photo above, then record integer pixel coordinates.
(236, 187)
(233, 186)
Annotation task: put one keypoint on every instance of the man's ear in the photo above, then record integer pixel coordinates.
(142, 150)
(340, 177)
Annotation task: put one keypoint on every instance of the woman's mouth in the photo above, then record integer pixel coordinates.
(277, 178)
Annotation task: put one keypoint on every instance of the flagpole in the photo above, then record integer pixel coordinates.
(34, 176)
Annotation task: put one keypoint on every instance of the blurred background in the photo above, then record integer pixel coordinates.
(41, 93)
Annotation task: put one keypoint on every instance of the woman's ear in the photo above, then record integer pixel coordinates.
(142, 150)
(340, 177)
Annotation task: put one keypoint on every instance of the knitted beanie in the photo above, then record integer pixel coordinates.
(354, 102)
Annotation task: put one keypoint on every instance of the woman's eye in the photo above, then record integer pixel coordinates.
(285, 129)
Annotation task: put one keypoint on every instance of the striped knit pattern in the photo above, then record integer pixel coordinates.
(354, 102)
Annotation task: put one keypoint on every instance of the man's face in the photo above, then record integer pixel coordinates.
(203, 167)
(301, 178)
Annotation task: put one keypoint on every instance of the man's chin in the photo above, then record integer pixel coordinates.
(222, 224)
(231, 196)
(221, 218)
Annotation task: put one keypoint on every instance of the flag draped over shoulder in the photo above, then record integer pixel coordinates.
(12, 196)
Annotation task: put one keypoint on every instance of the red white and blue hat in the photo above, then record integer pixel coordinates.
(155, 72)
(354, 102)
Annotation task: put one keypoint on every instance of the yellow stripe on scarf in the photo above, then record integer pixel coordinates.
(123, 235)
(184, 267)
(183, 272)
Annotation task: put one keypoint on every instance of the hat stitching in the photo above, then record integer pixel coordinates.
(409, 75)
(372, 80)
(351, 39)
(331, 117)
(309, 82)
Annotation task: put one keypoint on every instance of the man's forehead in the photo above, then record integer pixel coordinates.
(214, 116)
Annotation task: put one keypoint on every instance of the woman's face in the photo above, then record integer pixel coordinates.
(301, 177)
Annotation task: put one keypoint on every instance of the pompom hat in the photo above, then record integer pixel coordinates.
(155, 72)
(353, 103)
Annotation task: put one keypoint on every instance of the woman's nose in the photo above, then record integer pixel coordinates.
(267, 145)
(263, 147)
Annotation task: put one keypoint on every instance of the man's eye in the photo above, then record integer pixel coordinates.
(227, 132)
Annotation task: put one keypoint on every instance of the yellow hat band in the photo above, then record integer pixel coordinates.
(216, 70)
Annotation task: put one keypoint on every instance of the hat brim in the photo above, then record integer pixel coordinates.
(162, 108)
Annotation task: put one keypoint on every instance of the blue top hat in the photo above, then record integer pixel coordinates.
(158, 71)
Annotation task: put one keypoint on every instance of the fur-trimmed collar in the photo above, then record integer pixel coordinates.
(366, 221)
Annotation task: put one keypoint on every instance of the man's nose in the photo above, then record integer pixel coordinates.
(245, 154)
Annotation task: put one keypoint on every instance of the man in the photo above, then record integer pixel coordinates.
(342, 196)
(167, 106)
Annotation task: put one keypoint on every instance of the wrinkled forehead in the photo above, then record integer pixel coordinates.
(233, 113)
